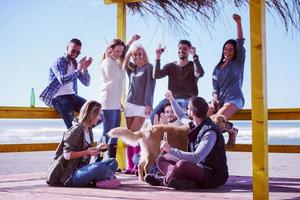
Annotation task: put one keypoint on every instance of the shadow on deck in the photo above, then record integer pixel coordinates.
(33, 186)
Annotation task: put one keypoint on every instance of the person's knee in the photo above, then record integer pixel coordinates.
(182, 164)
(113, 164)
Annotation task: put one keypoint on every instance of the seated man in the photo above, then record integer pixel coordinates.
(205, 163)
(167, 117)
(182, 75)
(61, 92)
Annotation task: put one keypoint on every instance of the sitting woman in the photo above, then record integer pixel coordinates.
(71, 163)
(228, 75)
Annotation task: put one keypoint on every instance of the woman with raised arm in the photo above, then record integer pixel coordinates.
(227, 79)
(112, 77)
(140, 95)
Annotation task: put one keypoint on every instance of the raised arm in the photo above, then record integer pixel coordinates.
(133, 39)
(239, 28)
(176, 107)
(198, 69)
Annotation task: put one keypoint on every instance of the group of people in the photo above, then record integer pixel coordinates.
(204, 165)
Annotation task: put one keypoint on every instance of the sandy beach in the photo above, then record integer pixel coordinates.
(239, 163)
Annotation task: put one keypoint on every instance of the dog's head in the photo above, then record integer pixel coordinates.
(221, 122)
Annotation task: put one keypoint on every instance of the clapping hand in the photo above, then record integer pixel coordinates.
(84, 63)
(87, 63)
(81, 63)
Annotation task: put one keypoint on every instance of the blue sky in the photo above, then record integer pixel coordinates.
(34, 33)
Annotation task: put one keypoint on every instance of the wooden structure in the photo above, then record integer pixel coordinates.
(259, 113)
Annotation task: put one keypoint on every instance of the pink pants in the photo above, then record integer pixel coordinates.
(131, 151)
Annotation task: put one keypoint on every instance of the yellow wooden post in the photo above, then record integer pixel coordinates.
(121, 34)
(259, 101)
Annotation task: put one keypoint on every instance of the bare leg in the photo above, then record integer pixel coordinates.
(210, 110)
(228, 110)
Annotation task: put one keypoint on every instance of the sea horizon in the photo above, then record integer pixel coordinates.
(24, 131)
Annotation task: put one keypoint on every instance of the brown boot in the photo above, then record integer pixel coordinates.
(112, 150)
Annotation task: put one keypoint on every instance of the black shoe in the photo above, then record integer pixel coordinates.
(154, 180)
(182, 184)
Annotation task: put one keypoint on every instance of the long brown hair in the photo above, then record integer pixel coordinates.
(113, 44)
(88, 112)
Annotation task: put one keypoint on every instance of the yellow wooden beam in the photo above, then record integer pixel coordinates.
(5, 148)
(49, 113)
(125, 1)
(259, 101)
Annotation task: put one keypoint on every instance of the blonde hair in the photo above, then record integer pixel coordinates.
(113, 44)
(130, 53)
(88, 112)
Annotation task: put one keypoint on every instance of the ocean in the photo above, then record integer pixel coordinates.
(17, 131)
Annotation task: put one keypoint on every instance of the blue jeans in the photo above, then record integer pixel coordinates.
(111, 119)
(183, 102)
(65, 105)
(94, 172)
(136, 160)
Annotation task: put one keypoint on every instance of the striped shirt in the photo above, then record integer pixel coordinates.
(59, 76)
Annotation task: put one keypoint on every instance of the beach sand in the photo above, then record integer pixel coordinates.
(239, 163)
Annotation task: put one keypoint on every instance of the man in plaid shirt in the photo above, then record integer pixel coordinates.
(61, 93)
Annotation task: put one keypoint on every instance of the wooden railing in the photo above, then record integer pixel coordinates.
(49, 113)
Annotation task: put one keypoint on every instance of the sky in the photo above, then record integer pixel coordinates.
(33, 33)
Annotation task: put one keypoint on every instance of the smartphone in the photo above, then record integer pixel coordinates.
(104, 148)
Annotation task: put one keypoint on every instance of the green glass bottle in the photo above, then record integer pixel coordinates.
(32, 98)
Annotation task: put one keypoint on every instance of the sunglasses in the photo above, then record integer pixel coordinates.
(75, 51)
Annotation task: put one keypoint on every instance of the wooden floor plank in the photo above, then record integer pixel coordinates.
(33, 186)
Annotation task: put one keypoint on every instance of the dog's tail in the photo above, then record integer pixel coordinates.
(126, 135)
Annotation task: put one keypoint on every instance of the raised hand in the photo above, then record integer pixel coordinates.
(236, 18)
(135, 37)
(169, 95)
(238, 21)
(193, 51)
(159, 51)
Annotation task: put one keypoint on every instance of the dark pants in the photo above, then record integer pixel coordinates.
(65, 105)
(183, 102)
(172, 167)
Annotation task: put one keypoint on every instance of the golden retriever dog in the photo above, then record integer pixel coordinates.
(149, 140)
(221, 122)
(225, 126)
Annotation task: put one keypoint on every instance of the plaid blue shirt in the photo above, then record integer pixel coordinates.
(58, 77)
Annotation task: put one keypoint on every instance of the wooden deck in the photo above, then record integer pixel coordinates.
(33, 186)
(22, 177)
